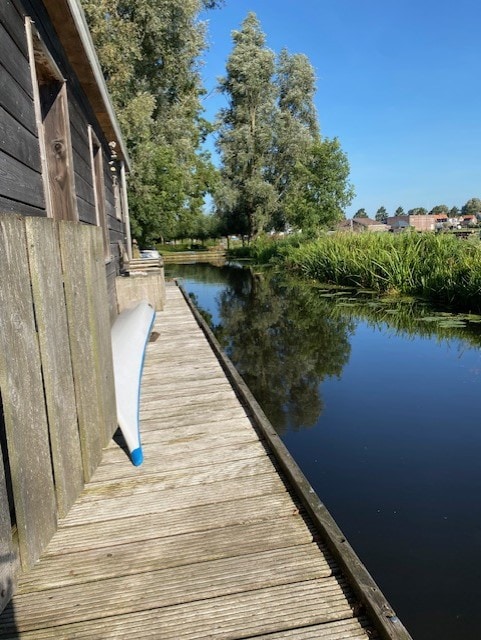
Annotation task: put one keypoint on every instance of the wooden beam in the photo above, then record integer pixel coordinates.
(51, 318)
(21, 385)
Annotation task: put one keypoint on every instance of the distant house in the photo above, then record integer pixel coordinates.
(362, 225)
(423, 222)
(397, 223)
(468, 221)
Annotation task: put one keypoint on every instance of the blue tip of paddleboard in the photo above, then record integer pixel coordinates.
(137, 456)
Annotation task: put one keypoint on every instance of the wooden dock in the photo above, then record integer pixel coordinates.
(207, 539)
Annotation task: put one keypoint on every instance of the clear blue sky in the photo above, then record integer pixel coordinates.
(399, 83)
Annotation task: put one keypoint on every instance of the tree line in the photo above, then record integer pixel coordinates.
(149, 51)
(471, 207)
(275, 171)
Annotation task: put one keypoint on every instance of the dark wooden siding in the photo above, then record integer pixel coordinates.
(21, 185)
(81, 158)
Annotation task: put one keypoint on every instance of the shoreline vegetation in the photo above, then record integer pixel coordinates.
(434, 267)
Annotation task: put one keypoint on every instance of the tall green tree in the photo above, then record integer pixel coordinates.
(320, 190)
(276, 169)
(247, 198)
(158, 197)
(399, 212)
(295, 125)
(361, 213)
(149, 51)
(472, 207)
(381, 214)
(439, 209)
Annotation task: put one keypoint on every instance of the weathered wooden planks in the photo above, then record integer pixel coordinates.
(186, 445)
(177, 498)
(17, 66)
(201, 436)
(204, 458)
(18, 142)
(36, 381)
(351, 629)
(51, 318)
(370, 596)
(104, 361)
(173, 551)
(205, 462)
(20, 183)
(172, 523)
(226, 617)
(36, 373)
(205, 406)
(198, 408)
(21, 387)
(134, 485)
(182, 385)
(167, 587)
(82, 281)
(148, 286)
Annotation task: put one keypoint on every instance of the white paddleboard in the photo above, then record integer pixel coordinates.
(130, 334)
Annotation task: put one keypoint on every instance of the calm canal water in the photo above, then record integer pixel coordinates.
(380, 404)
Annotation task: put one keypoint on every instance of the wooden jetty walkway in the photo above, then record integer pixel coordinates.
(206, 539)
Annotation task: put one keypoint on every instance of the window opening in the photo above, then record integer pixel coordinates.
(51, 109)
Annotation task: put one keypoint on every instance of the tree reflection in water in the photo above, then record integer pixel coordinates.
(285, 336)
(284, 342)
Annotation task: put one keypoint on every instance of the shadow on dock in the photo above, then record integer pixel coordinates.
(8, 625)
(118, 438)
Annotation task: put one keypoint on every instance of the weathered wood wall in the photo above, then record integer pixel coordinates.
(150, 287)
(57, 299)
(56, 375)
(21, 185)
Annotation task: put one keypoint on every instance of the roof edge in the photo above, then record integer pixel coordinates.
(94, 71)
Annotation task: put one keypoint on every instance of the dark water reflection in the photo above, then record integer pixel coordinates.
(283, 346)
(379, 404)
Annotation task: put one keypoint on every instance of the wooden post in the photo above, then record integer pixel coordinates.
(21, 386)
(75, 249)
(125, 209)
(51, 317)
(81, 249)
(104, 362)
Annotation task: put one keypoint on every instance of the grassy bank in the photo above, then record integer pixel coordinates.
(437, 267)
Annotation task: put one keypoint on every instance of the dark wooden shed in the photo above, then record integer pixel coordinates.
(64, 228)
(61, 150)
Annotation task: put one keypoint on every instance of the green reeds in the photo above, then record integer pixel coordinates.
(434, 266)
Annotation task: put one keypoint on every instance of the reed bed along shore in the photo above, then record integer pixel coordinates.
(437, 267)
